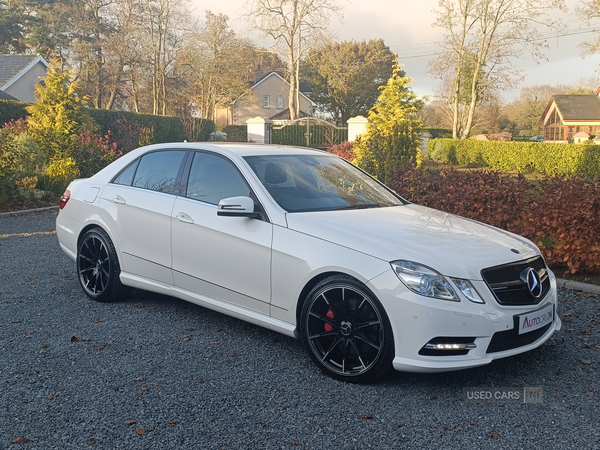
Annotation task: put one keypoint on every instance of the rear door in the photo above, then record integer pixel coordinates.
(137, 206)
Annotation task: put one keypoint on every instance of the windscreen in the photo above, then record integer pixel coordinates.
(319, 183)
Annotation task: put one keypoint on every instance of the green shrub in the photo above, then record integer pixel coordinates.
(236, 133)
(12, 110)
(546, 158)
(28, 159)
(442, 151)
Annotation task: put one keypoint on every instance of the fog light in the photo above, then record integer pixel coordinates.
(448, 346)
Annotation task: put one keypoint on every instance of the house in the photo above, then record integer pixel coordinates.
(566, 116)
(271, 94)
(19, 74)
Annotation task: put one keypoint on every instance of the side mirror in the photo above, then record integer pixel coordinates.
(237, 207)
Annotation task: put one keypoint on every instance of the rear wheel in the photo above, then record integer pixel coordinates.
(346, 330)
(98, 266)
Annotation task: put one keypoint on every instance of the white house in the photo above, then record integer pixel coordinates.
(271, 102)
(19, 74)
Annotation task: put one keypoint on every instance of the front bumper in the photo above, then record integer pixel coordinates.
(416, 320)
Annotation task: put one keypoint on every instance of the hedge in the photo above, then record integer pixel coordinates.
(12, 110)
(236, 133)
(165, 129)
(561, 215)
(546, 158)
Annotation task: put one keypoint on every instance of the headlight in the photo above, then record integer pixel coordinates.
(467, 290)
(423, 280)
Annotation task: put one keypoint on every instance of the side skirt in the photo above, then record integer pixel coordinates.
(216, 305)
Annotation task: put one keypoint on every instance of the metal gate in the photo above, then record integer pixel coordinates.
(309, 132)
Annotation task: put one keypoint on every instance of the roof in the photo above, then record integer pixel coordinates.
(13, 67)
(305, 87)
(578, 107)
(5, 96)
(285, 115)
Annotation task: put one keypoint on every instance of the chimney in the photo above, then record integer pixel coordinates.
(258, 74)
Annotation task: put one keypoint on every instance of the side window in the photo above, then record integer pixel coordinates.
(157, 171)
(126, 176)
(213, 178)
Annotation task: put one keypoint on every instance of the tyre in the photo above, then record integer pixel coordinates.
(346, 331)
(98, 267)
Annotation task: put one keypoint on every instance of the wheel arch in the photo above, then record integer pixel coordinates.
(311, 284)
(90, 226)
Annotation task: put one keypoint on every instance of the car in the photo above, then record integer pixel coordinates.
(302, 242)
(537, 138)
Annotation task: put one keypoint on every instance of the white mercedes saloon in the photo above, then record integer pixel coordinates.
(302, 242)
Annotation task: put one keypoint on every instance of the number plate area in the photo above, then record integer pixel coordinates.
(535, 319)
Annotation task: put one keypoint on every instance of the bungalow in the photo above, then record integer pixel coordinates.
(570, 118)
(271, 94)
(19, 74)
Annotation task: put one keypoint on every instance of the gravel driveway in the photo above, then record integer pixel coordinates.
(156, 372)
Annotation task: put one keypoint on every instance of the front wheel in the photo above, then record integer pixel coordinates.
(98, 266)
(346, 330)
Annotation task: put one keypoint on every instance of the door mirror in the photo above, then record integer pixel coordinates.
(237, 207)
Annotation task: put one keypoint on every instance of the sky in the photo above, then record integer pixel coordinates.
(406, 27)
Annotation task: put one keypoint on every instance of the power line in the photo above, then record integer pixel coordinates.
(437, 44)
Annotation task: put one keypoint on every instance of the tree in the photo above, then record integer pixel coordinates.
(93, 29)
(589, 10)
(296, 25)
(482, 38)
(217, 66)
(346, 76)
(165, 24)
(59, 115)
(393, 132)
(13, 26)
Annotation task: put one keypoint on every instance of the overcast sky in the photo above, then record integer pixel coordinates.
(405, 27)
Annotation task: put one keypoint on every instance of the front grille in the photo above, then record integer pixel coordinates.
(509, 339)
(508, 287)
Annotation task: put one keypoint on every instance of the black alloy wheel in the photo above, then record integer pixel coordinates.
(346, 330)
(98, 267)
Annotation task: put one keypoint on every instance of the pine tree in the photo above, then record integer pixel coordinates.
(59, 115)
(393, 133)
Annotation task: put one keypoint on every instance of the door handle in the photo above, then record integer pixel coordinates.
(120, 200)
(184, 218)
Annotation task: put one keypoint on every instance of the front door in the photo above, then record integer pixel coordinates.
(225, 258)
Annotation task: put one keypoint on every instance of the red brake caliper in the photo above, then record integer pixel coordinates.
(330, 315)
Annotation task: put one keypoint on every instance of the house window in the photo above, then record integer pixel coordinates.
(280, 102)
(266, 101)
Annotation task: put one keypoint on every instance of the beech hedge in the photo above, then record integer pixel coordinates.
(561, 215)
(546, 158)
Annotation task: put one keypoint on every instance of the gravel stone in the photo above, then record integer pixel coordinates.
(156, 372)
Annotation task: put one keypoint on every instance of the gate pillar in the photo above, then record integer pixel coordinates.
(259, 130)
(357, 126)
